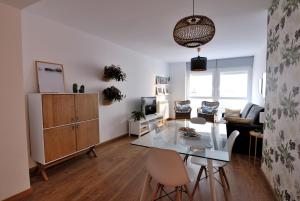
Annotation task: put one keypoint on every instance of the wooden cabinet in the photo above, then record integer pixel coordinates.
(87, 134)
(58, 110)
(62, 125)
(86, 106)
(59, 142)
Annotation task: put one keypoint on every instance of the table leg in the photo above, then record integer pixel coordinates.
(249, 147)
(255, 149)
(211, 180)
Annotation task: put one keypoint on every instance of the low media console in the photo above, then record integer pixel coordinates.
(145, 125)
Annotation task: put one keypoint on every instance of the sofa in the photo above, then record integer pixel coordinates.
(249, 120)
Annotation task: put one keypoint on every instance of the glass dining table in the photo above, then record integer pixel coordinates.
(208, 141)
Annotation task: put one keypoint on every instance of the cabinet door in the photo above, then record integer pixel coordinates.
(59, 142)
(58, 109)
(87, 134)
(86, 106)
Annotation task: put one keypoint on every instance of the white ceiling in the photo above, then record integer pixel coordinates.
(146, 25)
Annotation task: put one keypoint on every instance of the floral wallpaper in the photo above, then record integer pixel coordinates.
(281, 147)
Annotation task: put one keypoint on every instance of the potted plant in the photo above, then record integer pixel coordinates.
(114, 72)
(137, 115)
(112, 94)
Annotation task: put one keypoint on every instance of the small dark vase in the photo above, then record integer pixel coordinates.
(81, 89)
(75, 88)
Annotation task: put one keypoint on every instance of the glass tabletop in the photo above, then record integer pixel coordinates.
(207, 140)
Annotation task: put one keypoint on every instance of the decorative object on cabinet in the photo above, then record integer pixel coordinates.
(162, 85)
(50, 77)
(114, 72)
(162, 80)
(160, 90)
(75, 88)
(112, 94)
(81, 89)
(62, 125)
(137, 115)
(144, 126)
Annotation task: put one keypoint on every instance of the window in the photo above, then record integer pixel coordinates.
(197, 81)
(230, 86)
(233, 85)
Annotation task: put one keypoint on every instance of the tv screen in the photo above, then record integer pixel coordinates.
(148, 105)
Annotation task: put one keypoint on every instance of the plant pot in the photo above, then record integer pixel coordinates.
(107, 101)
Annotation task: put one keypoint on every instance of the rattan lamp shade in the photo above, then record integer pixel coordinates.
(194, 31)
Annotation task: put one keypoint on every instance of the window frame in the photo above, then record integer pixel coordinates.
(216, 73)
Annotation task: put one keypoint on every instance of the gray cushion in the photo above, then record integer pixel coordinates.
(246, 110)
(253, 114)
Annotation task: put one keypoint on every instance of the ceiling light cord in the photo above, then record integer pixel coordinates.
(193, 7)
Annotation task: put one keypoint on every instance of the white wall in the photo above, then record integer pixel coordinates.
(178, 84)
(14, 174)
(84, 57)
(259, 67)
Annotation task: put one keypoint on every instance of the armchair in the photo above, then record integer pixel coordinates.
(182, 109)
(208, 110)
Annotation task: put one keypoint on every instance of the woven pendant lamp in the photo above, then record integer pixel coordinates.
(194, 31)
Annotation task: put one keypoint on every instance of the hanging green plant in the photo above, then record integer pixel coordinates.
(113, 94)
(114, 72)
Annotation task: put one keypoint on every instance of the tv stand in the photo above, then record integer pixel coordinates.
(144, 126)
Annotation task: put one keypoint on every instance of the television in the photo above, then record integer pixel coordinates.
(148, 105)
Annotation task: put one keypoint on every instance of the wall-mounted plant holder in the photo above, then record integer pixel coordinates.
(112, 94)
(114, 72)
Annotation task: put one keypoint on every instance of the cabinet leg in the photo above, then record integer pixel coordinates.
(43, 171)
(92, 151)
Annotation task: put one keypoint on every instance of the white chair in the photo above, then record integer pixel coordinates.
(167, 168)
(219, 165)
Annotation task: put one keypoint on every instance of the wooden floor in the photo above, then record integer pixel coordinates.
(117, 174)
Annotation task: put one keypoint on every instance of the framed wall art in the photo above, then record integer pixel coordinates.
(50, 77)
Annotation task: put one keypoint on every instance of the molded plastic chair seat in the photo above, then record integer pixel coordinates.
(167, 168)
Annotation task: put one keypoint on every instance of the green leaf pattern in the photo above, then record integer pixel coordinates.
(281, 147)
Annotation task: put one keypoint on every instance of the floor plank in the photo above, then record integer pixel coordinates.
(117, 174)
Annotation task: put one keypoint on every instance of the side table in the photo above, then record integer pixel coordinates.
(256, 135)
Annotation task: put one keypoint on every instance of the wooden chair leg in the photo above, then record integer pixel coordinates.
(222, 179)
(154, 195)
(198, 180)
(178, 194)
(188, 193)
(205, 171)
(146, 184)
(225, 177)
